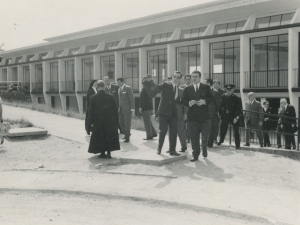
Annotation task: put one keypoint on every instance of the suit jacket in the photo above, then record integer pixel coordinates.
(253, 117)
(114, 92)
(218, 97)
(126, 99)
(197, 113)
(290, 112)
(145, 101)
(89, 94)
(267, 115)
(231, 107)
(181, 110)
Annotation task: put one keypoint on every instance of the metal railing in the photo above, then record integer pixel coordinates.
(10, 86)
(83, 85)
(68, 86)
(276, 130)
(225, 78)
(52, 86)
(37, 87)
(266, 79)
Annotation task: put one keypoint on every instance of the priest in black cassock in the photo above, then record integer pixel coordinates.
(103, 123)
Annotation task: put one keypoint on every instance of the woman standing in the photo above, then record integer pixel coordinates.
(267, 123)
(91, 91)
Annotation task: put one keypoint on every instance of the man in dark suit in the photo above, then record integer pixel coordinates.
(230, 111)
(268, 119)
(254, 118)
(197, 97)
(146, 109)
(103, 123)
(288, 124)
(126, 107)
(187, 82)
(217, 93)
(167, 111)
(181, 118)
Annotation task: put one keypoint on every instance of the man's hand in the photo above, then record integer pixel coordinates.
(201, 102)
(235, 120)
(260, 124)
(184, 117)
(192, 102)
(132, 113)
(293, 125)
(140, 110)
(281, 126)
(266, 119)
(88, 132)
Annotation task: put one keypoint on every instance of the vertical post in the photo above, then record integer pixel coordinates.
(142, 66)
(96, 59)
(244, 64)
(204, 59)
(118, 65)
(171, 55)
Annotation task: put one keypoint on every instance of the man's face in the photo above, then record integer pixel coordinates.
(195, 78)
(120, 83)
(283, 104)
(176, 78)
(106, 81)
(187, 80)
(251, 97)
(216, 85)
(229, 91)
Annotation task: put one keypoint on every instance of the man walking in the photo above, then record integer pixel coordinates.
(197, 97)
(103, 119)
(126, 107)
(288, 124)
(187, 82)
(217, 93)
(254, 118)
(167, 111)
(230, 111)
(146, 108)
(181, 118)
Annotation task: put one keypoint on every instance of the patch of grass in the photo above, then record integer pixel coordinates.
(21, 123)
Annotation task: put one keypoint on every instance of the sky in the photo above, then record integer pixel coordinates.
(28, 22)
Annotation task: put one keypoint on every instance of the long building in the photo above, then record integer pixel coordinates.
(253, 44)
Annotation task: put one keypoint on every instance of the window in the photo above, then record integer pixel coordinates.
(157, 64)
(134, 41)
(41, 55)
(111, 45)
(26, 78)
(14, 74)
(53, 76)
(269, 60)
(4, 74)
(188, 59)
(69, 84)
(73, 51)
(229, 27)
(38, 86)
(131, 70)
(271, 21)
(87, 72)
(29, 57)
(191, 33)
(57, 53)
(161, 37)
(225, 62)
(18, 59)
(108, 66)
(91, 48)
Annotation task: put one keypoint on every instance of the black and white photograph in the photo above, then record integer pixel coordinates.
(148, 112)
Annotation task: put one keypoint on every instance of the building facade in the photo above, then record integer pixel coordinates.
(253, 44)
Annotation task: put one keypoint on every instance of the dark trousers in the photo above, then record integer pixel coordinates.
(125, 123)
(289, 137)
(266, 127)
(223, 130)
(150, 130)
(279, 131)
(257, 129)
(195, 129)
(181, 133)
(187, 131)
(214, 130)
(166, 122)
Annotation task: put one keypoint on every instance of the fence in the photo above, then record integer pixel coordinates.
(266, 79)
(9, 86)
(277, 130)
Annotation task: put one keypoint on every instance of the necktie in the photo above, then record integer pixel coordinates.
(197, 89)
(176, 92)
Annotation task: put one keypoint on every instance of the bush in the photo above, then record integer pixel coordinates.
(14, 96)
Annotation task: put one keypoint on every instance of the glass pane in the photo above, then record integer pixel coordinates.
(185, 34)
(218, 61)
(275, 21)
(135, 67)
(202, 30)
(220, 29)
(259, 54)
(192, 48)
(283, 38)
(155, 38)
(231, 27)
(229, 44)
(169, 36)
(161, 52)
(195, 32)
(218, 45)
(286, 18)
(236, 43)
(236, 60)
(262, 22)
(192, 61)
(240, 25)
(229, 58)
(261, 40)
(163, 37)
(130, 42)
(273, 39)
(283, 56)
(182, 60)
(273, 56)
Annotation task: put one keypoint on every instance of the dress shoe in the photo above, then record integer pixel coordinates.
(262, 146)
(123, 137)
(247, 144)
(219, 143)
(294, 147)
(209, 146)
(193, 160)
(102, 155)
(268, 145)
(158, 151)
(126, 140)
(174, 153)
(150, 138)
(168, 151)
(279, 146)
(183, 149)
(238, 147)
(155, 135)
(204, 154)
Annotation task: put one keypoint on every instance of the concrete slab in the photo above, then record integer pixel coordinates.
(28, 131)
